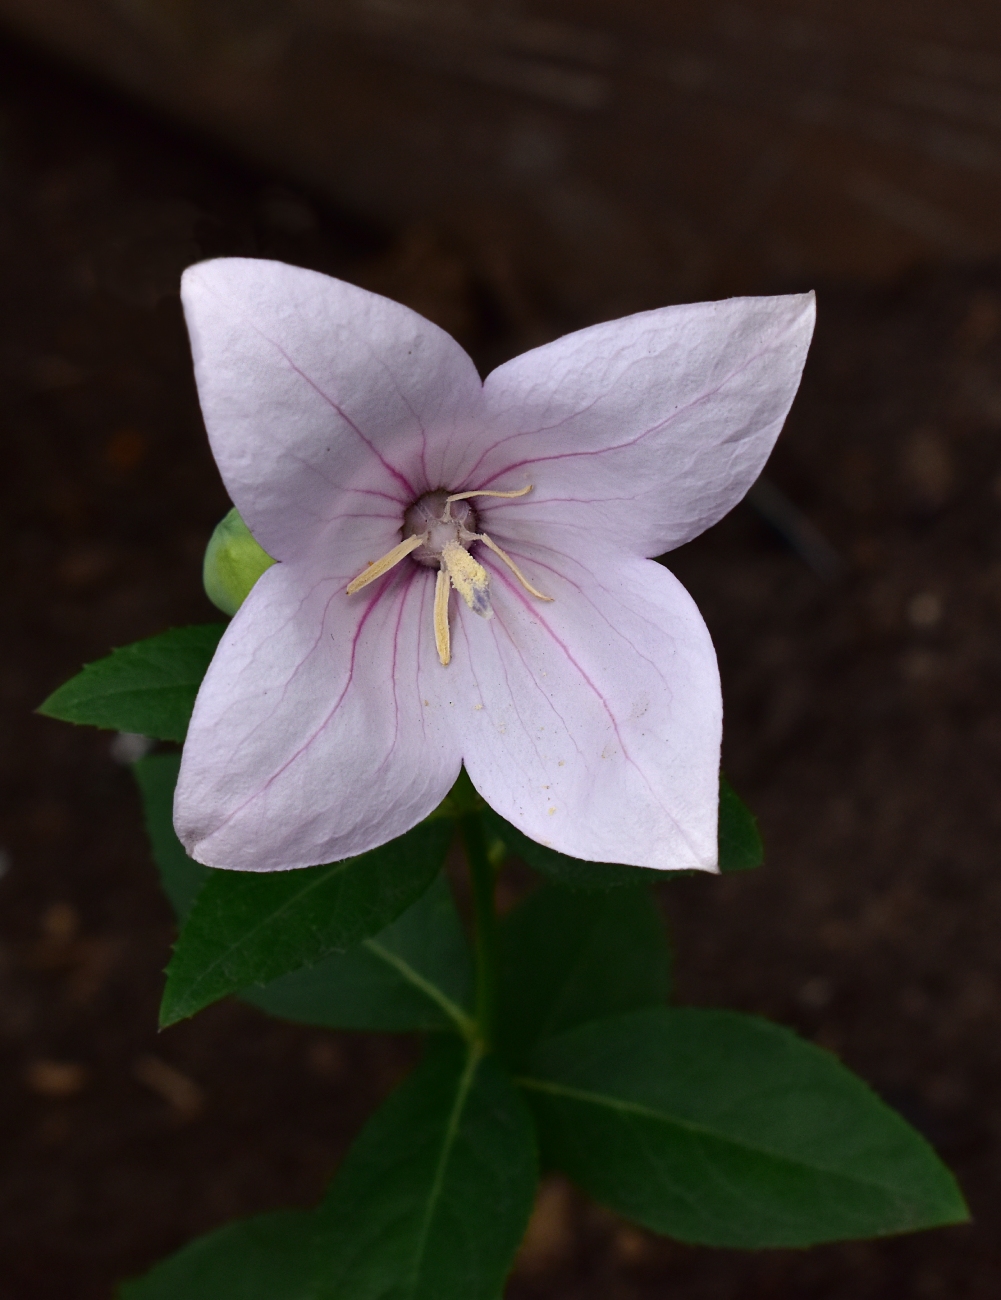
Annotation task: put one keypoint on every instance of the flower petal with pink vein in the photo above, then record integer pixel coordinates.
(641, 433)
(323, 726)
(318, 397)
(593, 724)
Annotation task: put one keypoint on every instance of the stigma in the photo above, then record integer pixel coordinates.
(438, 530)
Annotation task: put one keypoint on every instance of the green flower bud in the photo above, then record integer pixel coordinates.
(233, 563)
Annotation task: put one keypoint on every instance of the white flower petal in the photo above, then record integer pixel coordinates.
(593, 723)
(641, 433)
(320, 730)
(320, 399)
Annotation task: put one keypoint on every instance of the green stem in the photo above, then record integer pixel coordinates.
(481, 875)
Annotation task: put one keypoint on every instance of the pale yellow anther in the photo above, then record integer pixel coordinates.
(488, 541)
(442, 638)
(469, 578)
(484, 492)
(388, 561)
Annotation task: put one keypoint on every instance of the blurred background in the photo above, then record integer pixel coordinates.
(514, 170)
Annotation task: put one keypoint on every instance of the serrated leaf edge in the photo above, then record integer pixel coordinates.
(335, 869)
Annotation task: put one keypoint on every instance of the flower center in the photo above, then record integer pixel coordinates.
(438, 530)
(442, 523)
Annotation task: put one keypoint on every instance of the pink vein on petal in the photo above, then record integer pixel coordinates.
(521, 433)
(337, 487)
(551, 501)
(559, 573)
(629, 442)
(421, 615)
(531, 677)
(507, 683)
(391, 469)
(406, 402)
(533, 609)
(306, 657)
(318, 730)
(469, 656)
(404, 597)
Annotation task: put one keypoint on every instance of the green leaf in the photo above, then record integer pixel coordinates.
(416, 974)
(727, 1130)
(568, 957)
(148, 687)
(264, 1258)
(740, 846)
(433, 1198)
(181, 877)
(249, 927)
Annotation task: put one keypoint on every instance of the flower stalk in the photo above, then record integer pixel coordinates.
(483, 879)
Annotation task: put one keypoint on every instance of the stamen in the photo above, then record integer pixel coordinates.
(488, 541)
(469, 578)
(443, 542)
(484, 492)
(388, 561)
(441, 634)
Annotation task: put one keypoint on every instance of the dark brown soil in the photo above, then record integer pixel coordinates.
(863, 726)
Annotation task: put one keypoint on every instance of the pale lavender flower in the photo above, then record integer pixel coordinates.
(570, 673)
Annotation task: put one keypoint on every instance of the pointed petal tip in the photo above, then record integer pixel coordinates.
(801, 312)
(809, 305)
(799, 309)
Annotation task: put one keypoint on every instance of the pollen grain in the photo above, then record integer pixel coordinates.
(469, 578)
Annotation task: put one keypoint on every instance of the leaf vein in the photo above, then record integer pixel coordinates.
(637, 1110)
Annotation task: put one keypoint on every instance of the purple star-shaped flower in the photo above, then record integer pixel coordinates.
(570, 673)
